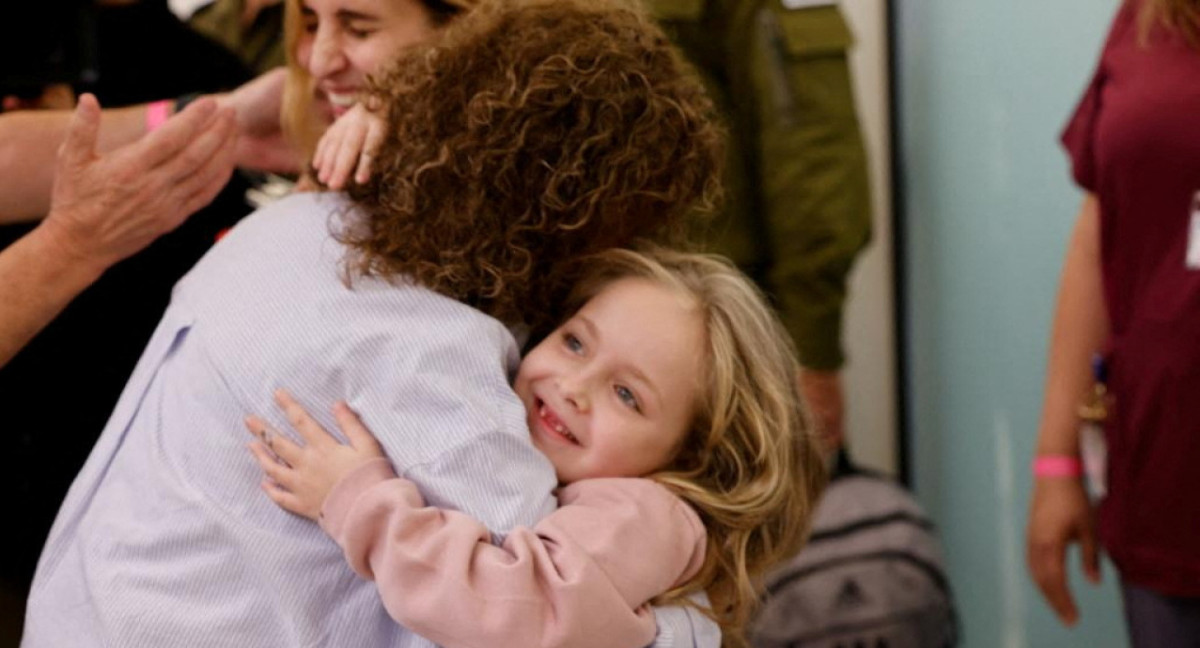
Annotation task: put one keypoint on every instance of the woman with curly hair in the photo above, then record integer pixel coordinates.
(513, 150)
(673, 368)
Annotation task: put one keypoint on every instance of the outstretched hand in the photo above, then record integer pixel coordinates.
(300, 477)
(105, 207)
(1059, 516)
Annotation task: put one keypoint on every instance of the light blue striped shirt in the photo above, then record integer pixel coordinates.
(165, 538)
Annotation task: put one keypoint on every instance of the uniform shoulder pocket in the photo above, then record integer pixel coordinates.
(814, 31)
(675, 10)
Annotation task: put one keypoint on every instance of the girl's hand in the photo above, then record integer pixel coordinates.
(300, 477)
(348, 146)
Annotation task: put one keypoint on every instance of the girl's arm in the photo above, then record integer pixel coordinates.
(581, 577)
(1059, 511)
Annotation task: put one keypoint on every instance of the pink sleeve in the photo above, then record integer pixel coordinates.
(580, 578)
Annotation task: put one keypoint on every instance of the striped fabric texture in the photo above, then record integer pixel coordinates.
(165, 538)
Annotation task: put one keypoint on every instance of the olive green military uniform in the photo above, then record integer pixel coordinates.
(797, 208)
(259, 45)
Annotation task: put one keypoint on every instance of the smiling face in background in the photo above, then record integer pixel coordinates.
(613, 391)
(341, 42)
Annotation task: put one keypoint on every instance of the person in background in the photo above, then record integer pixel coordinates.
(252, 29)
(798, 207)
(1130, 290)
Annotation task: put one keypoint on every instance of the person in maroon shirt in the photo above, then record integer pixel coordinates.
(1131, 289)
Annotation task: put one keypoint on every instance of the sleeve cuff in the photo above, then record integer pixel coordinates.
(338, 502)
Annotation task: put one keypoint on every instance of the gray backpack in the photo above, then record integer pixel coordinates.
(870, 576)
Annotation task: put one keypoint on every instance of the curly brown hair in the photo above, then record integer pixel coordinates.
(530, 134)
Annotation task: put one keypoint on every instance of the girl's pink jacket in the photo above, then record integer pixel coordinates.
(579, 578)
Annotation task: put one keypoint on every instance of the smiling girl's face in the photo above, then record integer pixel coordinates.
(613, 391)
(343, 41)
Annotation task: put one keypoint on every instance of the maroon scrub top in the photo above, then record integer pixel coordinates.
(1134, 142)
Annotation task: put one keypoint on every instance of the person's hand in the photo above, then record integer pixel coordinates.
(822, 392)
(1058, 516)
(300, 477)
(104, 208)
(348, 147)
(261, 144)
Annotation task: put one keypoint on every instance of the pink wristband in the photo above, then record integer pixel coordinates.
(1057, 466)
(157, 113)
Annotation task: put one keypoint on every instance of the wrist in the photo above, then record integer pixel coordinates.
(63, 256)
(1057, 466)
(157, 114)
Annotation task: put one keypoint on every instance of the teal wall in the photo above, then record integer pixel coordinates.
(984, 87)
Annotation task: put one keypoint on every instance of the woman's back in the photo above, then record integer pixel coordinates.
(167, 515)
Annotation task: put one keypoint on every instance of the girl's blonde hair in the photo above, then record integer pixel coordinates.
(1182, 16)
(750, 465)
(301, 126)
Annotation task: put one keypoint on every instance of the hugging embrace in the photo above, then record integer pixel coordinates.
(522, 141)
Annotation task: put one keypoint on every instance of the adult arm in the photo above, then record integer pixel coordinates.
(815, 188)
(571, 580)
(1059, 512)
(105, 207)
(30, 139)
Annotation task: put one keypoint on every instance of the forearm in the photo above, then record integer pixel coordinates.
(38, 280)
(29, 143)
(1080, 328)
(570, 581)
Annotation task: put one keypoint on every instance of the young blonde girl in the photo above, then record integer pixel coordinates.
(668, 406)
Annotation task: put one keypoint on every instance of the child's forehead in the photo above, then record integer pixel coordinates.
(637, 289)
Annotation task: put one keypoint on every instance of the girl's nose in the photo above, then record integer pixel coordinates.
(575, 392)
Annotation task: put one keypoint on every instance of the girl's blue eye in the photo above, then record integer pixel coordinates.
(572, 343)
(627, 397)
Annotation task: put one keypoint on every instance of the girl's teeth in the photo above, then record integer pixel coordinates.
(558, 427)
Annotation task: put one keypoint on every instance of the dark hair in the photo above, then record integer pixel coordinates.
(530, 134)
